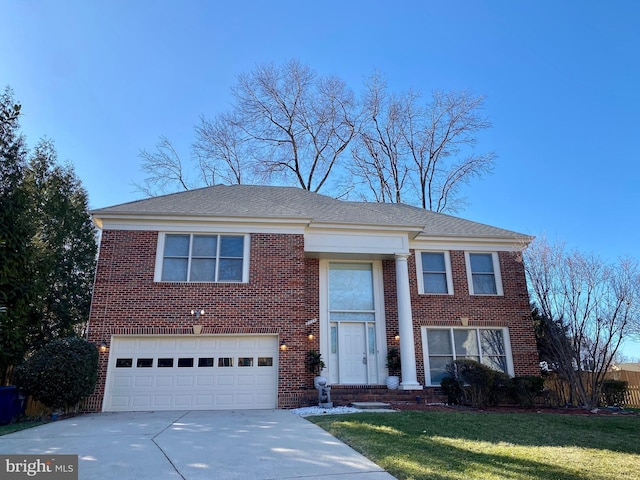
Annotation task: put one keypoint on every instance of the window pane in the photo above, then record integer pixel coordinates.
(124, 362)
(492, 342)
(144, 363)
(204, 245)
(481, 262)
(205, 362)
(351, 286)
(230, 270)
(466, 343)
(265, 361)
(484, 284)
(165, 362)
(176, 246)
(439, 342)
(497, 363)
(203, 270)
(352, 316)
(225, 362)
(438, 368)
(245, 362)
(231, 246)
(433, 262)
(174, 270)
(372, 340)
(435, 283)
(185, 362)
(334, 339)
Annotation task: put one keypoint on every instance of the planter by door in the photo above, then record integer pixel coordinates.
(393, 382)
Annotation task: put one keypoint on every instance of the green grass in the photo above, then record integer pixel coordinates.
(16, 427)
(440, 445)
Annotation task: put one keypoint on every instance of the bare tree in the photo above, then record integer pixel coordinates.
(379, 159)
(164, 168)
(294, 124)
(289, 125)
(420, 152)
(223, 151)
(587, 307)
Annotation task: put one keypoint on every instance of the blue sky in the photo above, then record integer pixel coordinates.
(104, 79)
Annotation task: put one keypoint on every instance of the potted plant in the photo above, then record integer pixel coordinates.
(315, 366)
(393, 364)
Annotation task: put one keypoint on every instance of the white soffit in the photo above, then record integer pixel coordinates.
(471, 243)
(343, 242)
(292, 226)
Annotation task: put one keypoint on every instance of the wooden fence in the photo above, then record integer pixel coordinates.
(558, 391)
(633, 379)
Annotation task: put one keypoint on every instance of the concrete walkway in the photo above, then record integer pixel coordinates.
(243, 444)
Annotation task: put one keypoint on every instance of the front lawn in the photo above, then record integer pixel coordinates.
(16, 427)
(454, 445)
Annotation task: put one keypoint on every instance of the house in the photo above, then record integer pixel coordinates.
(211, 298)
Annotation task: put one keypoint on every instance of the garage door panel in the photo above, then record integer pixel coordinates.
(123, 381)
(205, 381)
(167, 344)
(246, 380)
(164, 381)
(187, 345)
(183, 381)
(225, 380)
(216, 382)
(146, 381)
(184, 400)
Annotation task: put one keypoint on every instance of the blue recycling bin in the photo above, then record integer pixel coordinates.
(9, 404)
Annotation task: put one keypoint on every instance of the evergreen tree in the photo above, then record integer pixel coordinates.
(47, 245)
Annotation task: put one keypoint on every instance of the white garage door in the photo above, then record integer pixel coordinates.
(191, 373)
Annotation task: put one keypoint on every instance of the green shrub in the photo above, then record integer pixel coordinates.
(479, 384)
(614, 393)
(61, 373)
(453, 391)
(524, 389)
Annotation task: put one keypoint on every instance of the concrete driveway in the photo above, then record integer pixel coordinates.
(243, 444)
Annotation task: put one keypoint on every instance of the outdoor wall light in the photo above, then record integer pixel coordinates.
(283, 346)
(103, 347)
(311, 336)
(197, 312)
(397, 337)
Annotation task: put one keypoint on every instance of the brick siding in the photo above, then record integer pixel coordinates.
(281, 296)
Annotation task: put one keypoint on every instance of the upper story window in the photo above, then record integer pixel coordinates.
(483, 273)
(434, 273)
(202, 258)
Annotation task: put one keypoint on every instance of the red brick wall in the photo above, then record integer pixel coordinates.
(126, 300)
(509, 310)
(281, 296)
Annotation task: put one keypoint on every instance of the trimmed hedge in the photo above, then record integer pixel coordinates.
(614, 393)
(61, 373)
(472, 383)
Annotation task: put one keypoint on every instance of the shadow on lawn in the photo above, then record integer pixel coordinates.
(615, 433)
(457, 445)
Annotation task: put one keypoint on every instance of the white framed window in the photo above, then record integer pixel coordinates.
(483, 273)
(443, 345)
(434, 272)
(191, 257)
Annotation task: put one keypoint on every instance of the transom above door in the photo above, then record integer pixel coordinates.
(352, 322)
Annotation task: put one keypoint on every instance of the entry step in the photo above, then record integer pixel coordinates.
(370, 405)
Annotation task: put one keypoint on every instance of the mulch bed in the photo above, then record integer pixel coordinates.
(509, 409)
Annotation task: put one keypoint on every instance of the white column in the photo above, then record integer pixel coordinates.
(405, 326)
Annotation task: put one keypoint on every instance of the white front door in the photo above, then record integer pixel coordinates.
(353, 319)
(353, 353)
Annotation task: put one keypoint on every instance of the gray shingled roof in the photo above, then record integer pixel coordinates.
(253, 201)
